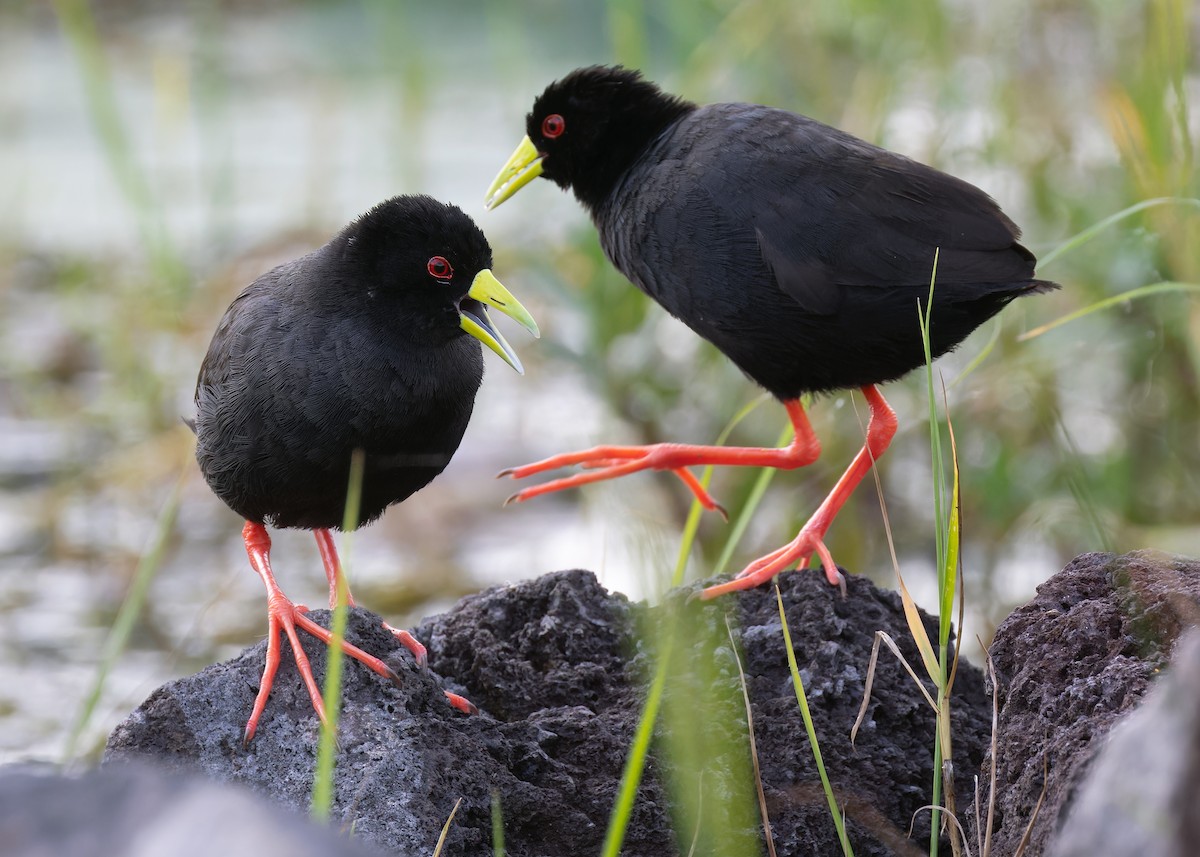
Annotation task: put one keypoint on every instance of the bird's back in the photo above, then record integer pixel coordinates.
(802, 252)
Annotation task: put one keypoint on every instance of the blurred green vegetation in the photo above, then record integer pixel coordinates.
(1066, 112)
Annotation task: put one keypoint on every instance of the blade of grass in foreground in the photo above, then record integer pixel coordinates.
(497, 826)
(697, 510)
(935, 667)
(131, 608)
(746, 514)
(635, 763)
(322, 796)
(802, 701)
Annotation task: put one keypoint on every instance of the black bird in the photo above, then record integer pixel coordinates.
(370, 343)
(798, 250)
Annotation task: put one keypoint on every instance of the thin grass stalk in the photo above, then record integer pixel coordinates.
(135, 599)
(497, 825)
(322, 799)
(441, 843)
(942, 538)
(806, 715)
(635, 764)
(758, 784)
(1095, 229)
(696, 511)
(1165, 287)
(746, 514)
(75, 17)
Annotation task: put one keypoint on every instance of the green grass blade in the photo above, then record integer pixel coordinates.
(1096, 228)
(635, 764)
(802, 701)
(147, 569)
(322, 799)
(746, 513)
(764, 814)
(948, 578)
(984, 353)
(697, 511)
(1140, 292)
(935, 439)
(497, 826)
(934, 665)
(79, 25)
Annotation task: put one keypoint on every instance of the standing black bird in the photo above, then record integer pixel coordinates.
(360, 345)
(799, 251)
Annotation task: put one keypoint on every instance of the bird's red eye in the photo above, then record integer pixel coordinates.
(439, 268)
(553, 126)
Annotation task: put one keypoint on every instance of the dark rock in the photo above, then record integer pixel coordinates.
(1070, 664)
(139, 810)
(1139, 796)
(560, 670)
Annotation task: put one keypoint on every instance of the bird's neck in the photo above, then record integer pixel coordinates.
(625, 139)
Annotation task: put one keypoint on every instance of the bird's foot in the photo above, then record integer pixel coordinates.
(612, 462)
(285, 616)
(809, 541)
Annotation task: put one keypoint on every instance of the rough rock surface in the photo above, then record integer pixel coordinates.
(560, 670)
(1070, 664)
(1139, 796)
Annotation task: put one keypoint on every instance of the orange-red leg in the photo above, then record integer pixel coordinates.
(880, 431)
(284, 615)
(611, 462)
(333, 572)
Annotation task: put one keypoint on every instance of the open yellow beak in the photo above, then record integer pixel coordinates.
(524, 166)
(487, 291)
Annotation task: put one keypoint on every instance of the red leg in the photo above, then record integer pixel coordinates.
(611, 462)
(283, 615)
(880, 431)
(333, 571)
(333, 566)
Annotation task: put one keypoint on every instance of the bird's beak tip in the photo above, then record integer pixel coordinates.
(522, 167)
(489, 291)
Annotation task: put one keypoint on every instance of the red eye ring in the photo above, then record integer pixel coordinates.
(553, 126)
(439, 268)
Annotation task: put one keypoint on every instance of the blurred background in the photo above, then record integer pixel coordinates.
(155, 158)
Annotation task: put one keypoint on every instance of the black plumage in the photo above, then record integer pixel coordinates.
(354, 346)
(798, 250)
(360, 345)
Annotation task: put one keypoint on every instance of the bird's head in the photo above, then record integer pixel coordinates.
(426, 267)
(585, 130)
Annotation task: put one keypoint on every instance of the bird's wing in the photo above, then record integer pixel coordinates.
(226, 351)
(829, 211)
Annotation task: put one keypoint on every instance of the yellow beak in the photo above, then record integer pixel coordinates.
(524, 166)
(486, 291)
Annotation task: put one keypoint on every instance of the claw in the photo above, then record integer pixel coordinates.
(461, 703)
(419, 652)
